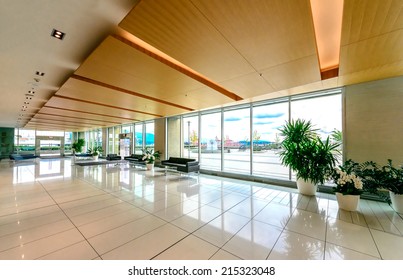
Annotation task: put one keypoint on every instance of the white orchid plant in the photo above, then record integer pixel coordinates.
(150, 156)
(346, 182)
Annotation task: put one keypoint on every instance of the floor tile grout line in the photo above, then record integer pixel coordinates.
(72, 222)
(376, 244)
(131, 240)
(354, 250)
(326, 228)
(222, 213)
(44, 237)
(28, 218)
(281, 233)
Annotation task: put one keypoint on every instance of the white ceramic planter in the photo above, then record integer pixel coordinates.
(397, 202)
(95, 157)
(348, 202)
(150, 166)
(306, 187)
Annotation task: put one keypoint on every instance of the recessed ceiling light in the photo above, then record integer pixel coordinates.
(40, 73)
(31, 92)
(58, 34)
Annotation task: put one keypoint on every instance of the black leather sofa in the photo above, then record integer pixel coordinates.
(135, 159)
(22, 156)
(83, 155)
(113, 157)
(186, 165)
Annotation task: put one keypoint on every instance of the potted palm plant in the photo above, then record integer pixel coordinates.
(78, 145)
(306, 154)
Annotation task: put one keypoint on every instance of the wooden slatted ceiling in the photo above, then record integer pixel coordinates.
(77, 120)
(85, 114)
(92, 108)
(117, 64)
(256, 49)
(372, 41)
(250, 47)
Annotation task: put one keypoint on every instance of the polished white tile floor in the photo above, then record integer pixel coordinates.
(51, 209)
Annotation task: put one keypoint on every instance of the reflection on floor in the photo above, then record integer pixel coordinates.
(50, 209)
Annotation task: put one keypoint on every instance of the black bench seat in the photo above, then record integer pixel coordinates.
(113, 157)
(22, 156)
(186, 165)
(135, 159)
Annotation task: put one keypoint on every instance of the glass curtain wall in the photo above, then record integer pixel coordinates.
(246, 140)
(68, 141)
(127, 128)
(190, 137)
(237, 141)
(138, 138)
(24, 141)
(324, 112)
(110, 141)
(210, 141)
(149, 135)
(117, 130)
(267, 119)
(137, 131)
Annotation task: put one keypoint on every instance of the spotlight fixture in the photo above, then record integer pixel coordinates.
(40, 73)
(57, 34)
(31, 92)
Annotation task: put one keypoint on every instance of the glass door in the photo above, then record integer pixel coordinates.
(49, 148)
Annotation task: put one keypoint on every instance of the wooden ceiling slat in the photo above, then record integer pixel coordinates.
(93, 108)
(64, 120)
(104, 105)
(102, 84)
(232, 41)
(90, 113)
(70, 117)
(371, 42)
(192, 74)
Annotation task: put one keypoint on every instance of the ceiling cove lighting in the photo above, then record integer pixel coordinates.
(327, 20)
(58, 34)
